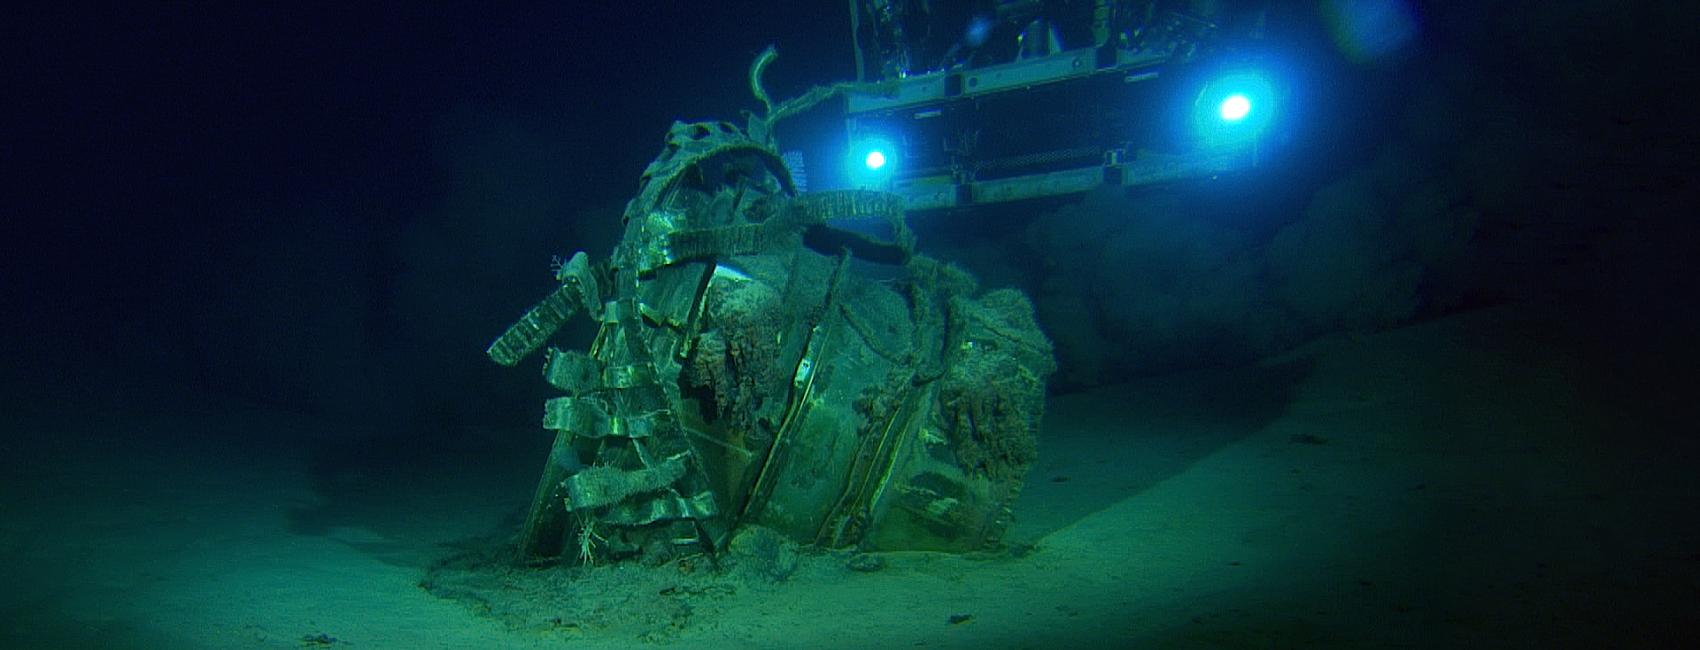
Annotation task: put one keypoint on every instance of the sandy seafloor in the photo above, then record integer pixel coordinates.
(1458, 483)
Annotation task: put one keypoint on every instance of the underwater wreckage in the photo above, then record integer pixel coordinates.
(759, 365)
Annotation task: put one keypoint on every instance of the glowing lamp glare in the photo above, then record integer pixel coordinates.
(1235, 108)
(875, 159)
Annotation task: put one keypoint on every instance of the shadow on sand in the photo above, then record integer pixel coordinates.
(1105, 445)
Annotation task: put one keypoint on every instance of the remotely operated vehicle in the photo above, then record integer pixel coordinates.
(1010, 100)
(764, 369)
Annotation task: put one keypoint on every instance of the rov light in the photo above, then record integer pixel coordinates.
(874, 160)
(1233, 108)
(871, 163)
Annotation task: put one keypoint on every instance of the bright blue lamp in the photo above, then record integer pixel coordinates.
(872, 160)
(1233, 108)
